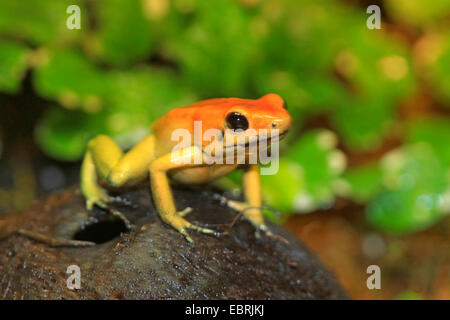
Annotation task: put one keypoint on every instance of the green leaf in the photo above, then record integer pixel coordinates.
(364, 182)
(138, 97)
(322, 164)
(151, 91)
(124, 35)
(378, 73)
(416, 191)
(13, 65)
(439, 71)
(215, 56)
(38, 22)
(280, 189)
(63, 134)
(362, 123)
(433, 131)
(70, 78)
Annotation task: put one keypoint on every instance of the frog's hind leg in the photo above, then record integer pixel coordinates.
(104, 159)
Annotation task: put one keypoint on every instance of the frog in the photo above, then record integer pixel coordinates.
(156, 159)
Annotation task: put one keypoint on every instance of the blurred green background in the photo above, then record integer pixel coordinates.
(371, 108)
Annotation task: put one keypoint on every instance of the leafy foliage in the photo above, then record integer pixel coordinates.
(13, 64)
(36, 23)
(414, 196)
(124, 34)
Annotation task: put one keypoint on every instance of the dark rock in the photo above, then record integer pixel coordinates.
(157, 263)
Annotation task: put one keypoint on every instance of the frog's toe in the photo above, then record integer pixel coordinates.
(120, 215)
(90, 203)
(100, 199)
(182, 225)
(184, 212)
(202, 230)
(264, 229)
(223, 200)
(186, 235)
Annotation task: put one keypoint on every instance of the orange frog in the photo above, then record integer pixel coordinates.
(157, 157)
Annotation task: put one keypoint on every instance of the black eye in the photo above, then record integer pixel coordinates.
(237, 121)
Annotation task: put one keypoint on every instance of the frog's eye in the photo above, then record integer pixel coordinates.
(236, 121)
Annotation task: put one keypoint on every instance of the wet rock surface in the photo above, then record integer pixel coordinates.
(156, 263)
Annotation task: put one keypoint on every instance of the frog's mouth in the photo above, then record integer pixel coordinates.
(254, 142)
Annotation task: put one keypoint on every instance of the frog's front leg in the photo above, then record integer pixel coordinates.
(251, 208)
(104, 159)
(162, 193)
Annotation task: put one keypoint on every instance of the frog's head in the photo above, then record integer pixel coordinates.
(268, 112)
(252, 120)
(241, 122)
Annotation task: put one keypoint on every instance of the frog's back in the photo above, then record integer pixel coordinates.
(162, 129)
(208, 111)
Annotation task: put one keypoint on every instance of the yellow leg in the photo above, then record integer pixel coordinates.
(90, 188)
(104, 159)
(162, 193)
(251, 208)
(252, 192)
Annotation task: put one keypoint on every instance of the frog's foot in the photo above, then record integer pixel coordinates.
(101, 199)
(250, 213)
(181, 225)
(97, 196)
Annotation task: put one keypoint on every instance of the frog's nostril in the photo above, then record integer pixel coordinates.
(274, 125)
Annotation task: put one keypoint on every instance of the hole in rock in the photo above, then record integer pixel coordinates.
(101, 231)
